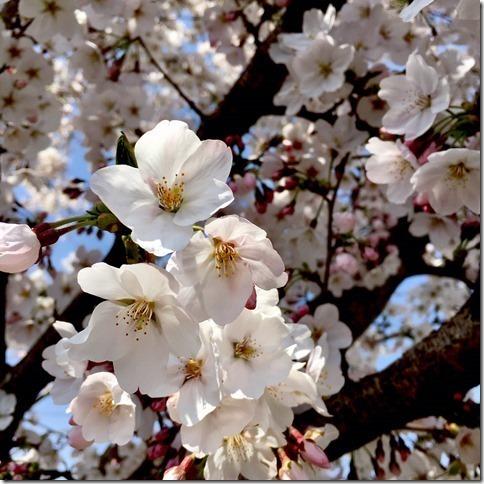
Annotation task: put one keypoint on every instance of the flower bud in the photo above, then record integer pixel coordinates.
(19, 247)
(179, 472)
(312, 453)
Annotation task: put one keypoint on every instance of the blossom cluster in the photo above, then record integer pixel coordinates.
(216, 346)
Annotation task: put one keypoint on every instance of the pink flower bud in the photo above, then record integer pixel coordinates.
(156, 451)
(312, 453)
(252, 301)
(158, 405)
(179, 473)
(19, 247)
(370, 254)
(77, 440)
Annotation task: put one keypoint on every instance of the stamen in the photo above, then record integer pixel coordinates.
(423, 102)
(326, 70)
(193, 369)
(170, 198)
(238, 448)
(245, 349)
(458, 171)
(226, 257)
(136, 316)
(105, 404)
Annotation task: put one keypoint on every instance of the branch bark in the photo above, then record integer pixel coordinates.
(424, 382)
(252, 95)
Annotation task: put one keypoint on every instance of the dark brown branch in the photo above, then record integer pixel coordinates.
(429, 380)
(3, 308)
(252, 95)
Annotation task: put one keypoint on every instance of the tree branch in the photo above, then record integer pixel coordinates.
(428, 380)
(3, 309)
(252, 95)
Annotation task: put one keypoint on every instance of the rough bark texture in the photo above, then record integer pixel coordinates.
(424, 382)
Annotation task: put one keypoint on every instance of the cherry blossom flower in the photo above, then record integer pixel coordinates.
(141, 319)
(415, 98)
(392, 164)
(103, 410)
(247, 453)
(224, 266)
(325, 322)
(19, 247)
(451, 179)
(469, 445)
(443, 232)
(194, 374)
(320, 68)
(180, 180)
(68, 373)
(251, 354)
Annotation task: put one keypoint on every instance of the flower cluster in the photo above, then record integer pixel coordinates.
(198, 306)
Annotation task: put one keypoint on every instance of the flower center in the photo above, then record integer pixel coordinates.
(136, 315)
(105, 404)
(170, 198)
(423, 102)
(51, 7)
(458, 171)
(245, 349)
(193, 369)
(238, 448)
(325, 69)
(226, 257)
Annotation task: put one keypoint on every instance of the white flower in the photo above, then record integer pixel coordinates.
(180, 180)
(451, 180)
(392, 164)
(443, 232)
(49, 18)
(7, 407)
(251, 354)
(229, 418)
(19, 247)
(224, 267)
(325, 322)
(413, 9)
(324, 368)
(415, 98)
(274, 408)
(320, 68)
(104, 410)
(316, 24)
(136, 326)
(341, 135)
(469, 445)
(248, 453)
(57, 362)
(192, 371)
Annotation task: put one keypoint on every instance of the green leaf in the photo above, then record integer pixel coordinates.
(125, 152)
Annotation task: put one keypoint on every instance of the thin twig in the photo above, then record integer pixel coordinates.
(331, 204)
(169, 79)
